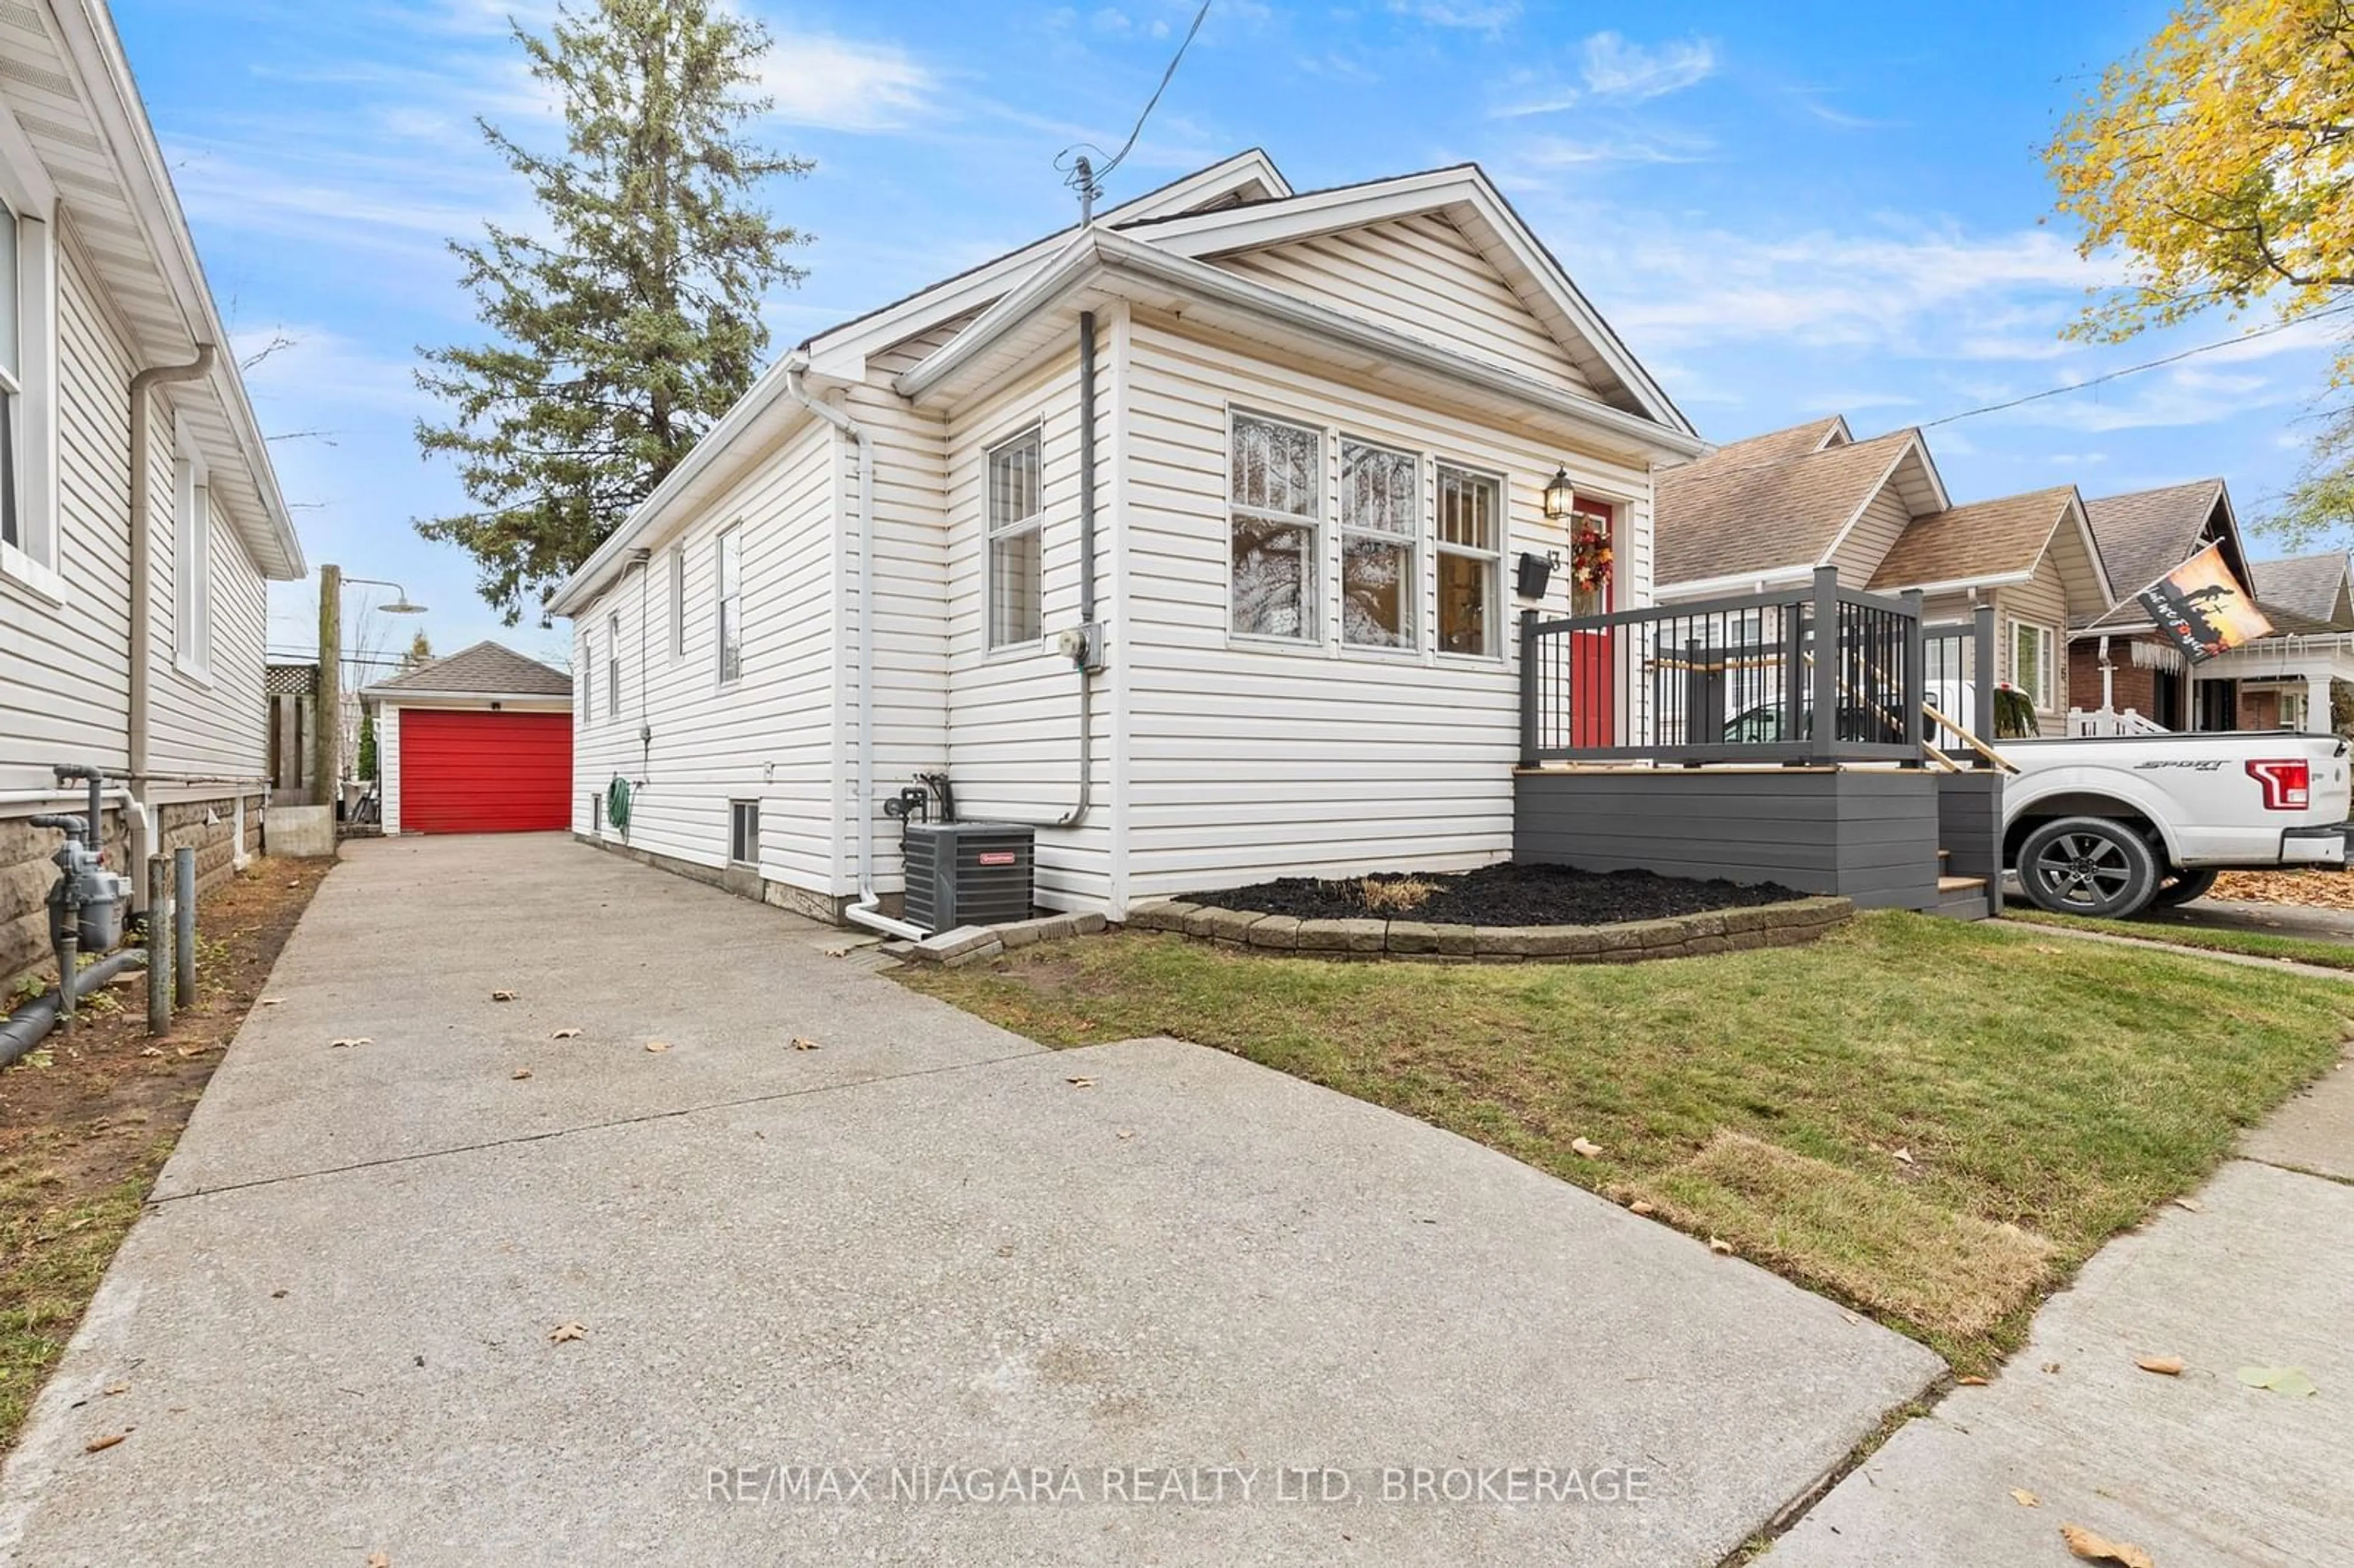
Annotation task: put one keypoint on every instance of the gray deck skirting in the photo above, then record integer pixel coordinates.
(1680, 937)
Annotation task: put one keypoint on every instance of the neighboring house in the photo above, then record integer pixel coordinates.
(1767, 512)
(1193, 538)
(2284, 680)
(479, 742)
(139, 517)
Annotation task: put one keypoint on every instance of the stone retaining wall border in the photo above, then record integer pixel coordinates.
(1784, 924)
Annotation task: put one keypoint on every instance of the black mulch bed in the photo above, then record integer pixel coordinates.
(1503, 895)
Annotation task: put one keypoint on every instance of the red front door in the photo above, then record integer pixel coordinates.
(1593, 693)
(481, 772)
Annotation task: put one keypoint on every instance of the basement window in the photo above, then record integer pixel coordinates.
(743, 832)
(1017, 531)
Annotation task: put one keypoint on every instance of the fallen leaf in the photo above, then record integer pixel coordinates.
(657, 1045)
(354, 1039)
(2052, 1366)
(1904, 1156)
(1081, 1083)
(2094, 1548)
(2290, 1381)
(503, 996)
(1722, 1248)
(520, 1074)
(271, 1001)
(1585, 1149)
(803, 1043)
(1852, 1316)
(2193, 1204)
(99, 1445)
(153, 1051)
(184, 1052)
(2165, 1366)
(566, 1034)
(277, 1296)
(1125, 1132)
(1641, 1206)
(2024, 1498)
(116, 1388)
(1970, 1382)
(377, 1560)
(564, 1332)
(837, 952)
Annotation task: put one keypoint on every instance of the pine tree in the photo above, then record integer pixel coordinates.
(367, 746)
(420, 652)
(629, 322)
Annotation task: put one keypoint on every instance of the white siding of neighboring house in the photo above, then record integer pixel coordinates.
(387, 767)
(2042, 601)
(66, 693)
(1247, 761)
(1421, 276)
(214, 722)
(769, 736)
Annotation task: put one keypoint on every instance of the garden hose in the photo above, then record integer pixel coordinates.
(616, 804)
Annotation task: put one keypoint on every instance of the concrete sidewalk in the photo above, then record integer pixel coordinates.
(922, 1246)
(2195, 1470)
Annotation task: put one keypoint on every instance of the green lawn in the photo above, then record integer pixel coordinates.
(2254, 944)
(2048, 1093)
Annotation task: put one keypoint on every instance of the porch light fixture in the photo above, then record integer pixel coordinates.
(1560, 496)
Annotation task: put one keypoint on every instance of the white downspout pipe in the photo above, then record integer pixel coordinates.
(868, 910)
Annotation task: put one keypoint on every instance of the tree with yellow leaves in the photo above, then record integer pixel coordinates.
(2219, 161)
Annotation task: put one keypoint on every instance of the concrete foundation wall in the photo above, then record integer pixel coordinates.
(1867, 835)
(26, 871)
(744, 881)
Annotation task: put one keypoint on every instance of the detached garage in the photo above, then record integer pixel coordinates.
(479, 742)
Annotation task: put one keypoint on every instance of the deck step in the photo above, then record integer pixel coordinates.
(1949, 886)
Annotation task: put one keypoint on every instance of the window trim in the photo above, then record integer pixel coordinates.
(192, 565)
(1494, 653)
(733, 535)
(34, 563)
(735, 808)
(2046, 643)
(1313, 588)
(993, 533)
(678, 601)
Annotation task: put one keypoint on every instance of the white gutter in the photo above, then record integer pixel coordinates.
(1960, 585)
(868, 910)
(1116, 253)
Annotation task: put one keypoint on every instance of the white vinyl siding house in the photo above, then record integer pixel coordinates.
(1309, 483)
(133, 643)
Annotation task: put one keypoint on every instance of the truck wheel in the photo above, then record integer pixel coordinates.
(2182, 887)
(2088, 865)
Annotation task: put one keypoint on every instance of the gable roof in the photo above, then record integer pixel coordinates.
(2003, 537)
(2309, 587)
(485, 669)
(2146, 533)
(1778, 502)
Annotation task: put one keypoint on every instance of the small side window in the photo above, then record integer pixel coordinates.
(744, 833)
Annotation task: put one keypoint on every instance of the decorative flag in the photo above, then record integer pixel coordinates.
(2204, 608)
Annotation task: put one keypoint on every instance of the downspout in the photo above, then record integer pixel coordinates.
(142, 834)
(868, 910)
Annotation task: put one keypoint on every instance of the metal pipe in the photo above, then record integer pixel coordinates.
(68, 970)
(868, 910)
(29, 1024)
(159, 966)
(1088, 471)
(183, 925)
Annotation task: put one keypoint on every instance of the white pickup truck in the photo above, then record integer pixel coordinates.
(2112, 825)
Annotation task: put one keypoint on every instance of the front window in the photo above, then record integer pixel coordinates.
(1276, 490)
(1381, 492)
(613, 666)
(744, 833)
(731, 605)
(1470, 556)
(2031, 662)
(1016, 542)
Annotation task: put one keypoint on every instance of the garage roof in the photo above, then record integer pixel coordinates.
(485, 669)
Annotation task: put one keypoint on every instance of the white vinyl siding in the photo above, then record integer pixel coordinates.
(728, 617)
(1380, 528)
(1276, 493)
(1422, 277)
(1016, 550)
(1470, 561)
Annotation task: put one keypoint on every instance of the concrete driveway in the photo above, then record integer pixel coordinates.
(826, 1299)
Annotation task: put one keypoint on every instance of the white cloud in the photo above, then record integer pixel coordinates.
(1617, 69)
(841, 84)
(1562, 152)
(1492, 17)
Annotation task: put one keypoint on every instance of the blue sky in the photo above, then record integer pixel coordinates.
(1785, 210)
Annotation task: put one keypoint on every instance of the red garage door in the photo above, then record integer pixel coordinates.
(485, 772)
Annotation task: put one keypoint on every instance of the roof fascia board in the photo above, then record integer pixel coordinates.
(2091, 545)
(105, 71)
(844, 350)
(1327, 212)
(1103, 251)
(405, 697)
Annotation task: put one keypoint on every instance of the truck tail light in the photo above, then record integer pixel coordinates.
(2287, 783)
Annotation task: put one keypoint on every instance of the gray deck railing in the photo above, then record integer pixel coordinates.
(1743, 678)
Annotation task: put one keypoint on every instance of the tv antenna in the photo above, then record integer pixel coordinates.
(1082, 172)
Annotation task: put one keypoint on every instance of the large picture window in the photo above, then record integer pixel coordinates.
(2031, 662)
(1016, 542)
(1381, 519)
(1276, 490)
(731, 604)
(1470, 557)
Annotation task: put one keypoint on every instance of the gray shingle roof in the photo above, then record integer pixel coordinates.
(2143, 535)
(485, 669)
(1765, 503)
(2308, 587)
(1978, 539)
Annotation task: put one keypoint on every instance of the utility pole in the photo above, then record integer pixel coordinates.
(327, 714)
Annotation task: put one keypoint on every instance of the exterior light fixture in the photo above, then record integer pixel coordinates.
(1560, 496)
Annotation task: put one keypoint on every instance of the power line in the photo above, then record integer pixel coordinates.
(1081, 174)
(2132, 369)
